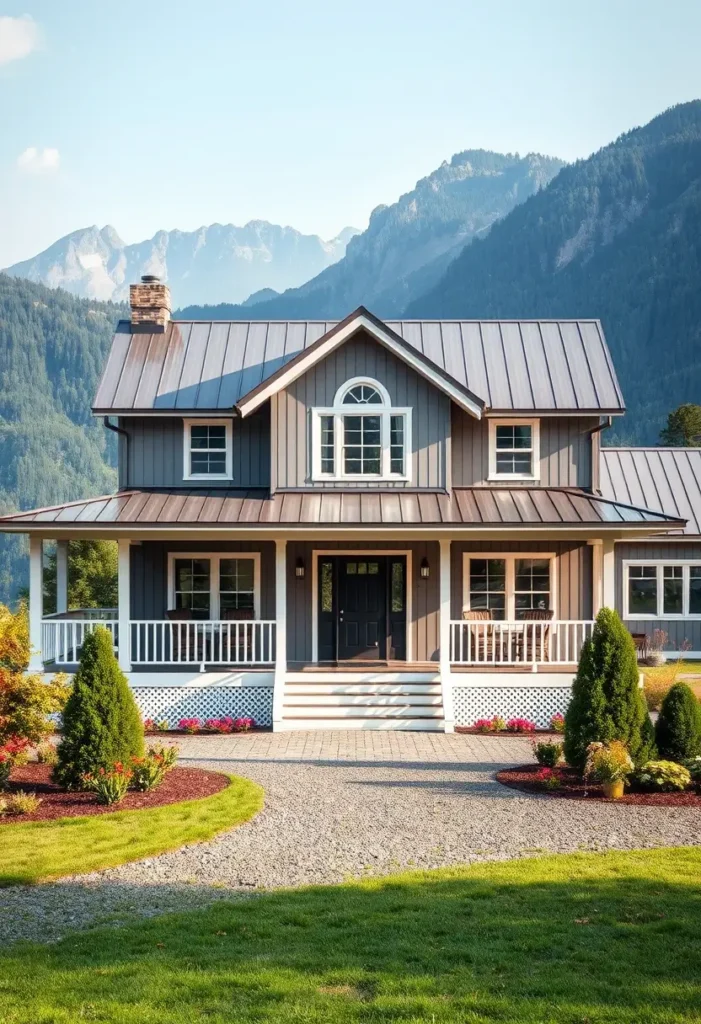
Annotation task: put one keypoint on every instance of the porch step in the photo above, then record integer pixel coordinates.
(362, 711)
(362, 700)
(397, 724)
(355, 689)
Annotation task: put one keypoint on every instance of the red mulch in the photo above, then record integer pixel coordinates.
(179, 784)
(540, 733)
(573, 788)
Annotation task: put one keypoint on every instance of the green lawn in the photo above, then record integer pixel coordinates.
(40, 850)
(576, 939)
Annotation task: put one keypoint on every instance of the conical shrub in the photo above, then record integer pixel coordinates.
(678, 728)
(101, 722)
(607, 703)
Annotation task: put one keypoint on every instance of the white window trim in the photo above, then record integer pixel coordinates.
(510, 558)
(187, 450)
(660, 565)
(338, 411)
(215, 558)
(534, 424)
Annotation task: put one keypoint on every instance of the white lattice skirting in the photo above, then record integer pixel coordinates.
(539, 703)
(176, 702)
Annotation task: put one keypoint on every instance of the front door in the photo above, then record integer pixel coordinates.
(362, 608)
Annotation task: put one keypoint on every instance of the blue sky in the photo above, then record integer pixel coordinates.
(160, 114)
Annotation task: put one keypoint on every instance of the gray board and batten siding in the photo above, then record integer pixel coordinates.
(565, 451)
(525, 366)
(291, 411)
(153, 454)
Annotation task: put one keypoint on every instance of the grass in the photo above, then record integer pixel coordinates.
(37, 851)
(576, 939)
(659, 680)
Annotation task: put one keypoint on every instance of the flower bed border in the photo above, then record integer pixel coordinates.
(573, 789)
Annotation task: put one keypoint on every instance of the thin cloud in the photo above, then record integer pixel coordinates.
(37, 161)
(18, 37)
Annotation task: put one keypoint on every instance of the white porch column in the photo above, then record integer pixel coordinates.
(36, 603)
(608, 564)
(124, 603)
(61, 575)
(280, 630)
(444, 635)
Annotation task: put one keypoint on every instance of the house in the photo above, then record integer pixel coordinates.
(353, 524)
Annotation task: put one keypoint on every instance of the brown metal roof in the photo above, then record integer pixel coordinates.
(510, 365)
(467, 507)
(665, 479)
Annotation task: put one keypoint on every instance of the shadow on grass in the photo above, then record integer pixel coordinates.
(581, 938)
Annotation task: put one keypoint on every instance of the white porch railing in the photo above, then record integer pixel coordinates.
(517, 643)
(62, 637)
(233, 642)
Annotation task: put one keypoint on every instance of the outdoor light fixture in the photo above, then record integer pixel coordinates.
(425, 569)
(299, 569)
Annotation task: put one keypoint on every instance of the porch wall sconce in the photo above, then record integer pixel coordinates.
(425, 569)
(299, 569)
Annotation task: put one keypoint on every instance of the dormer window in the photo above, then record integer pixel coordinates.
(207, 450)
(514, 450)
(362, 437)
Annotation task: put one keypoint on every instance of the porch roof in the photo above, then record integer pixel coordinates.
(474, 507)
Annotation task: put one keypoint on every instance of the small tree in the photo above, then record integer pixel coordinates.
(101, 722)
(607, 702)
(678, 728)
(26, 701)
(92, 574)
(683, 428)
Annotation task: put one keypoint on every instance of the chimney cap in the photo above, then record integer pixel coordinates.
(150, 279)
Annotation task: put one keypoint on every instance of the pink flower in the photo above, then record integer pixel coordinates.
(520, 725)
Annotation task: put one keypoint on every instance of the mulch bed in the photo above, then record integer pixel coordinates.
(523, 778)
(179, 784)
(540, 733)
(165, 733)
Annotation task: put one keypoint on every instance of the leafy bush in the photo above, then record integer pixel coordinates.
(12, 752)
(46, 753)
(20, 803)
(168, 755)
(557, 722)
(678, 728)
(607, 703)
(190, 724)
(483, 725)
(101, 722)
(547, 753)
(110, 785)
(549, 778)
(608, 762)
(654, 693)
(150, 771)
(6, 766)
(693, 766)
(662, 776)
(520, 725)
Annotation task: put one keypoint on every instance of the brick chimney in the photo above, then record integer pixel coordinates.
(150, 306)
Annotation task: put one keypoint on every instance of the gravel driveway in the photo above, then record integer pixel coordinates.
(340, 805)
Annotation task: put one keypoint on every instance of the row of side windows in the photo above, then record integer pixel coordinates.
(362, 436)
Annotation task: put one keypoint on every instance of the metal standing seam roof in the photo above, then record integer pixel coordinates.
(469, 507)
(524, 365)
(664, 479)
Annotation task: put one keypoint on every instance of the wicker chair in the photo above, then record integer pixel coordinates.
(480, 639)
(537, 641)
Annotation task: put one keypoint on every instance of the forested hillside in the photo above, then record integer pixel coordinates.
(617, 236)
(52, 350)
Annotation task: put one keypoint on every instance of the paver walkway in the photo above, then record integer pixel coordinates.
(346, 804)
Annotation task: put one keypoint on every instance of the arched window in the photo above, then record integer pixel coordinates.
(361, 436)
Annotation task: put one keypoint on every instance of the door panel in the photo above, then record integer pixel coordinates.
(362, 608)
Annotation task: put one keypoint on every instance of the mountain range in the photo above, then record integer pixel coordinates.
(408, 245)
(212, 264)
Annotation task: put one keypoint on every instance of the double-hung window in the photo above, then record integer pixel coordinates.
(514, 450)
(509, 586)
(662, 590)
(362, 436)
(207, 450)
(209, 585)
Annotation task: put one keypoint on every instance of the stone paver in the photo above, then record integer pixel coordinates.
(346, 804)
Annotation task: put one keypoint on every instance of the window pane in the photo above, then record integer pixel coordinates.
(488, 585)
(362, 452)
(328, 457)
(642, 589)
(505, 437)
(208, 462)
(362, 394)
(236, 584)
(192, 590)
(397, 583)
(522, 437)
(673, 590)
(396, 441)
(695, 590)
(532, 585)
(327, 586)
(514, 462)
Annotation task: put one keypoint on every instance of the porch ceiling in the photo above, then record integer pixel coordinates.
(496, 509)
